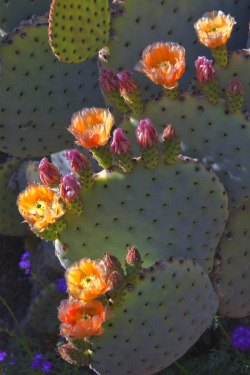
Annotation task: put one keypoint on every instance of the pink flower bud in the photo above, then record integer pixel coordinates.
(235, 87)
(126, 82)
(116, 279)
(108, 81)
(120, 144)
(133, 256)
(78, 162)
(111, 262)
(205, 71)
(70, 188)
(49, 174)
(146, 134)
(169, 134)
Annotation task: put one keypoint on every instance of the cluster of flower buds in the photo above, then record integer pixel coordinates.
(122, 90)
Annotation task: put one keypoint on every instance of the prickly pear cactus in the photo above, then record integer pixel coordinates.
(176, 303)
(32, 116)
(151, 209)
(231, 273)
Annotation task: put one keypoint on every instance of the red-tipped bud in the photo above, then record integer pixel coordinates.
(146, 134)
(70, 188)
(126, 82)
(235, 87)
(169, 134)
(116, 279)
(120, 144)
(78, 161)
(108, 81)
(49, 174)
(133, 256)
(205, 71)
(111, 262)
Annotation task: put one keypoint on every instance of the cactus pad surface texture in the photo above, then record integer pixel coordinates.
(220, 140)
(142, 22)
(38, 94)
(78, 29)
(176, 303)
(179, 210)
(232, 276)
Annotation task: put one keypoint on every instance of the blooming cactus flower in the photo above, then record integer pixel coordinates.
(86, 279)
(70, 188)
(205, 70)
(163, 63)
(81, 319)
(91, 127)
(49, 174)
(39, 206)
(214, 28)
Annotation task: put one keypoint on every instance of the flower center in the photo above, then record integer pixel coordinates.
(213, 29)
(85, 283)
(40, 208)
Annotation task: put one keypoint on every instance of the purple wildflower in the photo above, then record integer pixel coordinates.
(24, 263)
(241, 337)
(25, 255)
(38, 356)
(35, 364)
(46, 366)
(61, 284)
(2, 355)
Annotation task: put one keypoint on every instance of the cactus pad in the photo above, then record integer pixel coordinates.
(207, 131)
(10, 218)
(232, 276)
(179, 210)
(78, 29)
(38, 94)
(143, 22)
(176, 303)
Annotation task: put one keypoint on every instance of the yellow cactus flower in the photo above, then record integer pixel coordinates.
(214, 28)
(39, 206)
(86, 279)
(91, 127)
(163, 63)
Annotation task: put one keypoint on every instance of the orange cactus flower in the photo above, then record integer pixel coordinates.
(163, 63)
(214, 28)
(91, 127)
(86, 279)
(39, 206)
(81, 319)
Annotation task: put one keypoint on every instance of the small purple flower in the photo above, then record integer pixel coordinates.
(35, 364)
(24, 264)
(38, 356)
(25, 255)
(28, 271)
(46, 366)
(61, 284)
(241, 337)
(2, 355)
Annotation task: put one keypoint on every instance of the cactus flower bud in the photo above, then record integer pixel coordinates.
(116, 280)
(126, 83)
(169, 134)
(112, 263)
(171, 144)
(70, 188)
(109, 81)
(78, 161)
(235, 87)
(205, 71)
(133, 256)
(49, 174)
(120, 144)
(146, 134)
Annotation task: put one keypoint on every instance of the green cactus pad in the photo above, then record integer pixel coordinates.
(231, 274)
(12, 12)
(142, 22)
(171, 210)
(42, 314)
(78, 29)
(38, 94)
(176, 302)
(11, 221)
(238, 66)
(207, 131)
